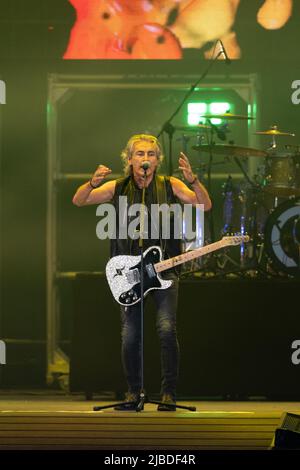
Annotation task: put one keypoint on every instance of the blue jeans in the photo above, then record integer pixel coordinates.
(166, 304)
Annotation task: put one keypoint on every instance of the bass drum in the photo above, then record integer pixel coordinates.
(282, 237)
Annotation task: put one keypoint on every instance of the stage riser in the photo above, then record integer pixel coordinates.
(146, 430)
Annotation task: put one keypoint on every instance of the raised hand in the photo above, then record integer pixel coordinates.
(185, 166)
(99, 175)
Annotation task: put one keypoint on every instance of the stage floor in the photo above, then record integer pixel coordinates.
(39, 421)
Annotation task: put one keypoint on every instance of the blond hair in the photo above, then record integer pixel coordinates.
(128, 150)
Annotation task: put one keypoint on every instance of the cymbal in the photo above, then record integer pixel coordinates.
(274, 131)
(226, 116)
(191, 128)
(232, 150)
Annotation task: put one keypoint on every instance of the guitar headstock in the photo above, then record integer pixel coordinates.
(236, 239)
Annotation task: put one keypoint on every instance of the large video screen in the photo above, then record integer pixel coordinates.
(163, 29)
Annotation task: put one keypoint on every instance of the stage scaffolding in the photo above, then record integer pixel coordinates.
(61, 89)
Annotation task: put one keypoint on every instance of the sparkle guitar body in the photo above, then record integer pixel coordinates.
(123, 276)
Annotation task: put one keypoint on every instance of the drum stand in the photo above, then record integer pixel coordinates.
(253, 263)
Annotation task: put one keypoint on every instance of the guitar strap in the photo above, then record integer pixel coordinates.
(162, 198)
(161, 190)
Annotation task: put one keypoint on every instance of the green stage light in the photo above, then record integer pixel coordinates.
(195, 111)
(218, 108)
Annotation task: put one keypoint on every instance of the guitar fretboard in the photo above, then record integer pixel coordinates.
(203, 250)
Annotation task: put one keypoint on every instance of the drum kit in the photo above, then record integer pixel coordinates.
(265, 207)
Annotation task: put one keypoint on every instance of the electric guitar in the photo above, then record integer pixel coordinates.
(123, 272)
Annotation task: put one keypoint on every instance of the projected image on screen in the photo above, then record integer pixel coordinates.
(161, 29)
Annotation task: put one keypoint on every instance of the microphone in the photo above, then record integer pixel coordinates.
(145, 166)
(224, 53)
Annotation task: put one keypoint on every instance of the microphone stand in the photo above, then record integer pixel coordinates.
(169, 129)
(167, 126)
(142, 395)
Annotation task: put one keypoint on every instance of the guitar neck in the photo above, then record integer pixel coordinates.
(176, 260)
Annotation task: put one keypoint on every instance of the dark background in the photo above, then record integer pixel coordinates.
(33, 37)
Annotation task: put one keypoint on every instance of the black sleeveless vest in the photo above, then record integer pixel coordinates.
(158, 192)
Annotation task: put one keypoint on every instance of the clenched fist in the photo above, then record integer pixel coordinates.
(99, 175)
